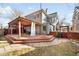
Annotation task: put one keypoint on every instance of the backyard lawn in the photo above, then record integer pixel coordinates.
(63, 49)
(2, 38)
(3, 42)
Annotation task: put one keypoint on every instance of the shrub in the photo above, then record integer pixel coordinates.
(58, 35)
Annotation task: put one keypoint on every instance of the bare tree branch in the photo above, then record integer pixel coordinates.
(15, 13)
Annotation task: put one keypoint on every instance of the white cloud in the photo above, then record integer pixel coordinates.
(9, 10)
(6, 10)
(2, 10)
(30, 10)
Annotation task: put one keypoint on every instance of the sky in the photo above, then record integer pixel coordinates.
(64, 10)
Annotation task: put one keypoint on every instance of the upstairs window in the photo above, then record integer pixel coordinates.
(38, 15)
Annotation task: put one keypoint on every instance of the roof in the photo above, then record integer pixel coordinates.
(27, 17)
(53, 15)
(19, 19)
(34, 12)
(32, 16)
(24, 21)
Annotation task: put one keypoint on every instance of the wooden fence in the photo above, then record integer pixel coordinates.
(69, 35)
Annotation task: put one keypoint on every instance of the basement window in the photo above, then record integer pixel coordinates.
(38, 15)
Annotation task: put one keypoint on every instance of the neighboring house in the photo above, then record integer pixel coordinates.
(75, 20)
(64, 28)
(53, 21)
(38, 22)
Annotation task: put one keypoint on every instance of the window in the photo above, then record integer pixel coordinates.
(44, 28)
(38, 15)
(34, 17)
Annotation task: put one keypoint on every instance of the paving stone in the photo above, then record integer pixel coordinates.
(56, 41)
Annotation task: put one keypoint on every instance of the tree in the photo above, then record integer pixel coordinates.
(15, 13)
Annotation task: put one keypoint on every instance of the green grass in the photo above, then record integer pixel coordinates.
(63, 49)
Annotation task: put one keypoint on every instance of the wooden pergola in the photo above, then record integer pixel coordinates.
(20, 21)
(65, 27)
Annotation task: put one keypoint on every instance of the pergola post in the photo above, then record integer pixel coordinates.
(11, 30)
(33, 32)
(19, 29)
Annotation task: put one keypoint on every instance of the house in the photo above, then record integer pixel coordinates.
(36, 23)
(75, 20)
(65, 27)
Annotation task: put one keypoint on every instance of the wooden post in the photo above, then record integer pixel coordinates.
(33, 32)
(11, 30)
(19, 29)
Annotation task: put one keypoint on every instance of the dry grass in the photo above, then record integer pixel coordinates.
(2, 38)
(3, 44)
(16, 52)
(63, 49)
(13, 51)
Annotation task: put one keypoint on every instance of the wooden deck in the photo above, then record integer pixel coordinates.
(38, 38)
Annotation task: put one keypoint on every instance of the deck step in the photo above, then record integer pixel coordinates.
(14, 41)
